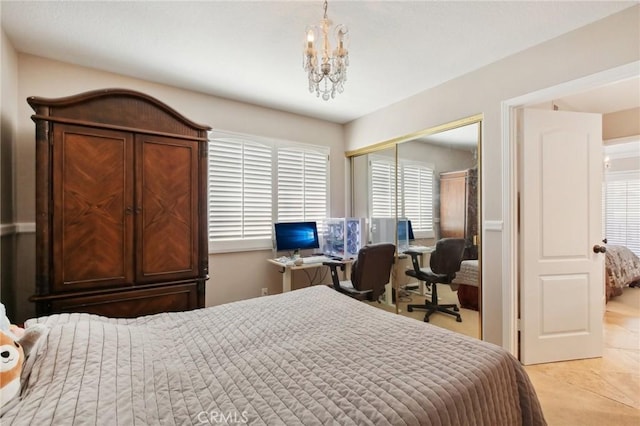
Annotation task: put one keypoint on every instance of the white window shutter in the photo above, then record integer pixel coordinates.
(383, 188)
(253, 182)
(417, 191)
(302, 185)
(622, 210)
(416, 195)
(240, 189)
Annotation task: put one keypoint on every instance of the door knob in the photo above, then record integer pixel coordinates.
(599, 249)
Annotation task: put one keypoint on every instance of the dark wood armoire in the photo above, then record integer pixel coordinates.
(459, 208)
(121, 211)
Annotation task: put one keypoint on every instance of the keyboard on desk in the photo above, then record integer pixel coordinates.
(421, 249)
(315, 259)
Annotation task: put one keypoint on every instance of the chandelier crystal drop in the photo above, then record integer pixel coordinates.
(327, 75)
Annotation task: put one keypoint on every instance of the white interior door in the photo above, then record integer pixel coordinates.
(561, 277)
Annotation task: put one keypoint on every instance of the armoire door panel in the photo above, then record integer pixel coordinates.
(452, 207)
(459, 208)
(166, 208)
(92, 190)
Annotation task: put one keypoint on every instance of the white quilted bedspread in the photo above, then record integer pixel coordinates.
(468, 273)
(308, 357)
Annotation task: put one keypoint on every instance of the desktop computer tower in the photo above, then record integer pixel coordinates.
(344, 237)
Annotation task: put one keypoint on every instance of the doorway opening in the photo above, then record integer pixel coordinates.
(510, 108)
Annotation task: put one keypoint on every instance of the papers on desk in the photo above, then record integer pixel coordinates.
(309, 260)
(284, 260)
(315, 259)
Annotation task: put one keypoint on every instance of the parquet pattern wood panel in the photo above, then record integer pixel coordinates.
(168, 191)
(92, 233)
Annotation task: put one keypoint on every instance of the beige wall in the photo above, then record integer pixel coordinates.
(605, 44)
(8, 103)
(621, 124)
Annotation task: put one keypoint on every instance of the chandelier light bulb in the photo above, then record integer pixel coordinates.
(327, 77)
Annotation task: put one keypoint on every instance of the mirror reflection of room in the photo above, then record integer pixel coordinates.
(450, 158)
(438, 197)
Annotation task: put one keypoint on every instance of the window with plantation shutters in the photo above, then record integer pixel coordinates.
(302, 185)
(240, 190)
(622, 209)
(382, 178)
(253, 182)
(416, 195)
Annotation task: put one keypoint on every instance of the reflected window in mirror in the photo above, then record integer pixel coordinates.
(415, 198)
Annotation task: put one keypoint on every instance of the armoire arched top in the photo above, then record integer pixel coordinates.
(121, 109)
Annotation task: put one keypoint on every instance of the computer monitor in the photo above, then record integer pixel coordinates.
(382, 230)
(403, 234)
(296, 235)
(411, 236)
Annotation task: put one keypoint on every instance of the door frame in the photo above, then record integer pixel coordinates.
(510, 170)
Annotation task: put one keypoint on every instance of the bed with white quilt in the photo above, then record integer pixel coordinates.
(306, 357)
(622, 269)
(466, 282)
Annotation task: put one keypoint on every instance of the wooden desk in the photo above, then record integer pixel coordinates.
(288, 269)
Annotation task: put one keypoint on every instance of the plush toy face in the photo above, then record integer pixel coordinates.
(11, 359)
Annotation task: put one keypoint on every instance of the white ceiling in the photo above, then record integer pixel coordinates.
(252, 51)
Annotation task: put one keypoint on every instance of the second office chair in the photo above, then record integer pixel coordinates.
(444, 263)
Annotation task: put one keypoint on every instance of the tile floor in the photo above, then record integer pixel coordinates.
(600, 391)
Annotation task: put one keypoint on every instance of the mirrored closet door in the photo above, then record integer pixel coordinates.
(415, 191)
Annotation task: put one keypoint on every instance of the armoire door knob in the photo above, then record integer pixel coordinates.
(599, 249)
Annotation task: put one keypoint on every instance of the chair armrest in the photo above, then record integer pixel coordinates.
(333, 266)
(414, 259)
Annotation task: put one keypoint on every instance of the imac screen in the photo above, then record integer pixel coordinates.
(296, 235)
(403, 234)
(411, 236)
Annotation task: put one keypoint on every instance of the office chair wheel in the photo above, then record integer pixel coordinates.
(409, 309)
(458, 319)
(455, 308)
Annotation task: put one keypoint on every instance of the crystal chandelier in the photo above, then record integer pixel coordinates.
(328, 76)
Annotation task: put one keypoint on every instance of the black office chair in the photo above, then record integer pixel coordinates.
(444, 263)
(369, 273)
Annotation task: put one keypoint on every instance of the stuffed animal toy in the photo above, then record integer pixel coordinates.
(15, 345)
(11, 360)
